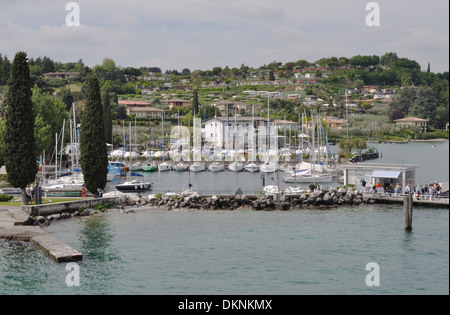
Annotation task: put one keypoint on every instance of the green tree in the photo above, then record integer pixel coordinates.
(424, 105)
(20, 152)
(403, 100)
(5, 70)
(109, 64)
(94, 157)
(271, 76)
(49, 114)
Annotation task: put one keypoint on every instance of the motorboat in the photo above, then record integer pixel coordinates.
(251, 167)
(134, 185)
(197, 167)
(294, 191)
(271, 190)
(236, 167)
(216, 167)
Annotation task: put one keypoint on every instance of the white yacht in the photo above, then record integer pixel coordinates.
(165, 167)
(216, 167)
(268, 167)
(181, 167)
(236, 167)
(197, 167)
(251, 167)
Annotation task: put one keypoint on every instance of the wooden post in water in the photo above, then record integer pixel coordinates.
(408, 207)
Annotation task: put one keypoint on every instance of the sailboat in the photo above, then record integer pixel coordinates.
(235, 166)
(314, 170)
(216, 166)
(268, 166)
(252, 167)
(181, 167)
(197, 167)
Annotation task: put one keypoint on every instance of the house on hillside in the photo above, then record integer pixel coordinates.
(335, 123)
(134, 103)
(62, 75)
(413, 123)
(178, 103)
(145, 112)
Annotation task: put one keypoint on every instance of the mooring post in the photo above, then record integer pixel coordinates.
(408, 207)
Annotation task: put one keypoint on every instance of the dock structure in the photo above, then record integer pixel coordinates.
(13, 228)
(377, 173)
(51, 246)
(399, 199)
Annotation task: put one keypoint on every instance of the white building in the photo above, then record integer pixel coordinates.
(217, 133)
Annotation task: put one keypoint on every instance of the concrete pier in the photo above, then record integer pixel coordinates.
(12, 229)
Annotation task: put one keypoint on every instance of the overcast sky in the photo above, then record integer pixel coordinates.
(202, 34)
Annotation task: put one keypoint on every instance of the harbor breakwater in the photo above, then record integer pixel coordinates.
(317, 199)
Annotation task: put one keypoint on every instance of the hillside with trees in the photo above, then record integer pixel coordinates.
(371, 91)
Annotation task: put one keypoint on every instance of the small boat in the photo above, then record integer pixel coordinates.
(216, 167)
(268, 167)
(294, 191)
(271, 190)
(135, 167)
(165, 167)
(197, 167)
(149, 168)
(236, 167)
(181, 167)
(134, 185)
(251, 167)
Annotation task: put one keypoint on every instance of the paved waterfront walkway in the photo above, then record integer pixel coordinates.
(12, 228)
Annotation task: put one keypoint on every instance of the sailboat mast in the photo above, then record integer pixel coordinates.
(56, 156)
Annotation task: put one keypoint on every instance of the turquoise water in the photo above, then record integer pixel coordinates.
(249, 252)
(241, 252)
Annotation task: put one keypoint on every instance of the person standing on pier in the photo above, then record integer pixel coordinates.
(407, 190)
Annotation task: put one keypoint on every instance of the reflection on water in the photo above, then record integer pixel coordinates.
(99, 253)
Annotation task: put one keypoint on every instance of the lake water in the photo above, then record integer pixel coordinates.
(249, 252)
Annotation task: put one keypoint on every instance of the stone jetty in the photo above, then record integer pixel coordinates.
(17, 225)
(317, 199)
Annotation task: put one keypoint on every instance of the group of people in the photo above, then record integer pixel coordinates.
(431, 190)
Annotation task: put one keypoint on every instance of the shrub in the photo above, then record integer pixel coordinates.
(5, 197)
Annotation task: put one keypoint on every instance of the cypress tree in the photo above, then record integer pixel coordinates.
(107, 117)
(20, 152)
(195, 102)
(94, 157)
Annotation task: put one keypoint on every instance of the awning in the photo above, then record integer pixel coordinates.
(385, 174)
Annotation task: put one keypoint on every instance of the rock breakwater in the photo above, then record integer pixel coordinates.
(317, 199)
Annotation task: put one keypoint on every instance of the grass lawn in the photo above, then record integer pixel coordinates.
(16, 202)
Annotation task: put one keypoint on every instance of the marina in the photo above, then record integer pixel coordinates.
(217, 190)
